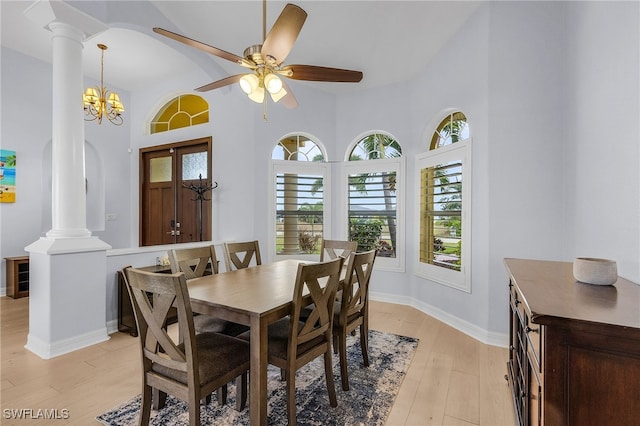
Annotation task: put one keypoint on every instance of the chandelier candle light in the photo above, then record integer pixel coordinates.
(99, 102)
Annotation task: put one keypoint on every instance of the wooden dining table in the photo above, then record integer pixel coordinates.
(255, 296)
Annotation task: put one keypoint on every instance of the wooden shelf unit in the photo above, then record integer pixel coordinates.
(574, 348)
(17, 276)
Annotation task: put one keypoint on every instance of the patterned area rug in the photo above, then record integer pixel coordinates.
(369, 400)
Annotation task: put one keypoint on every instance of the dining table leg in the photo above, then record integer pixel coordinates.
(258, 373)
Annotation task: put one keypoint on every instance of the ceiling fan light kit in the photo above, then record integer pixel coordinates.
(266, 61)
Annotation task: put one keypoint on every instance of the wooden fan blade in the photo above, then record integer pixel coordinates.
(289, 101)
(283, 34)
(220, 83)
(199, 45)
(315, 73)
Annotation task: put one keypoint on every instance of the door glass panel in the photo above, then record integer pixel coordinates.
(194, 165)
(160, 169)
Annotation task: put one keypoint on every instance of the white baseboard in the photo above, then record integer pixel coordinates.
(112, 326)
(47, 350)
(478, 333)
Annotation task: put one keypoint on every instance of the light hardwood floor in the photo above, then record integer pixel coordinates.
(453, 379)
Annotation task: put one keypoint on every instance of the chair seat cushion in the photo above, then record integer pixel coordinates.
(217, 354)
(209, 324)
(278, 333)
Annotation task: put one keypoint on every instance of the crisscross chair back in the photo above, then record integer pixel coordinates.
(240, 255)
(152, 296)
(352, 310)
(355, 294)
(320, 280)
(180, 369)
(330, 249)
(194, 262)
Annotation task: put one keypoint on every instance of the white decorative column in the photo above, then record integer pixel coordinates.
(69, 211)
(67, 286)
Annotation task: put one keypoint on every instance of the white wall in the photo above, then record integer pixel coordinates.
(602, 167)
(526, 134)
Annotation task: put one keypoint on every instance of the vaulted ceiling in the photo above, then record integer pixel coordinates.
(389, 41)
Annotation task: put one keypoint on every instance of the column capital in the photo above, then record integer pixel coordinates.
(46, 12)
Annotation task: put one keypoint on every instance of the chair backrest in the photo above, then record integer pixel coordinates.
(250, 250)
(355, 293)
(330, 249)
(152, 296)
(321, 281)
(194, 262)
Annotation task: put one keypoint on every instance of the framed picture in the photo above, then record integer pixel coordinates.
(7, 176)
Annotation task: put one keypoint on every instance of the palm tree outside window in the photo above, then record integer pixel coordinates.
(444, 205)
(372, 195)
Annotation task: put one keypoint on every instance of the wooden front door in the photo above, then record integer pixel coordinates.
(175, 205)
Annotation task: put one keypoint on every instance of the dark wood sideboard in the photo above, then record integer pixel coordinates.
(574, 348)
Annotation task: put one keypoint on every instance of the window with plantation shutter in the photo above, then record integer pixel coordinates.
(443, 208)
(374, 181)
(441, 200)
(300, 208)
(299, 213)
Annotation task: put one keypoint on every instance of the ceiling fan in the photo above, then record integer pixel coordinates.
(266, 60)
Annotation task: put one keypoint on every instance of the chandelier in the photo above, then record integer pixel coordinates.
(99, 102)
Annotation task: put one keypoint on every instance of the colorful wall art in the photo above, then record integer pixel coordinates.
(7, 176)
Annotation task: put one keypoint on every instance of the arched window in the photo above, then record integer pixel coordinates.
(444, 205)
(300, 186)
(375, 147)
(453, 128)
(375, 186)
(181, 111)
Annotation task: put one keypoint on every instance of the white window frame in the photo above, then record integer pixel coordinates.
(461, 151)
(397, 164)
(298, 167)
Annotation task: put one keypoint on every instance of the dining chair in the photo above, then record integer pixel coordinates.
(196, 262)
(249, 250)
(292, 342)
(190, 370)
(330, 249)
(352, 310)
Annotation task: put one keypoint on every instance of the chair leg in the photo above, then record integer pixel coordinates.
(221, 393)
(241, 391)
(344, 375)
(159, 399)
(364, 343)
(335, 343)
(207, 400)
(328, 373)
(283, 374)
(291, 397)
(145, 406)
(194, 409)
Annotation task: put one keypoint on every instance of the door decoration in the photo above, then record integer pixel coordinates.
(7, 176)
(200, 190)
